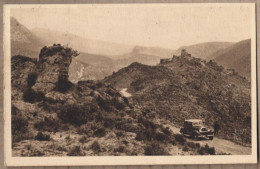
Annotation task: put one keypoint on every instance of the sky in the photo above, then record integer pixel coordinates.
(169, 26)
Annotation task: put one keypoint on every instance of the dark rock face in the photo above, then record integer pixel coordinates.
(53, 66)
(22, 67)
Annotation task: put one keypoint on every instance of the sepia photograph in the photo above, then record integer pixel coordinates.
(127, 84)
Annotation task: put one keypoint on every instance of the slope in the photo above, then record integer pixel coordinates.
(187, 87)
(237, 56)
(23, 42)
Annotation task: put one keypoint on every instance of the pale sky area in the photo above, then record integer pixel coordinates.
(169, 26)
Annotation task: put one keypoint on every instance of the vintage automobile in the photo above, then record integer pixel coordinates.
(195, 129)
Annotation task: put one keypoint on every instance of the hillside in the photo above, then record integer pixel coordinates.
(204, 50)
(186, 87)
(237, 56)
(23, 42)
(51, 116)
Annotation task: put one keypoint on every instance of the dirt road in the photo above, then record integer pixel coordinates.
(221, 145)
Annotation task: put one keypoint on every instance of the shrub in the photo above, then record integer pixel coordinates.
(155, 149)
(161, 137)
(19, 127)
(62, 148)
(32, 77)
(120, 149)
(193, 145)
(42, 137)
(101, 132)
(48, 124)
(19, 123)
(146, 134)
(83, 139)
(119, 134)
(32, 151)
(204, 150)
(95, 146)
(212, 151)
(185, 148)
(76, 151)
(76, 114)
(180, 138)
(31, 96)
(129, 127)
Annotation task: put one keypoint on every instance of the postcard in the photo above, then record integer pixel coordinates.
(130, 84)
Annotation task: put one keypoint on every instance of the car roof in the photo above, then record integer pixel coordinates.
(193, 120)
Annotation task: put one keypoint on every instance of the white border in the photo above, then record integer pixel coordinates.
(121, 160)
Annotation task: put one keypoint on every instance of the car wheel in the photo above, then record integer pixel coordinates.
(211, 137)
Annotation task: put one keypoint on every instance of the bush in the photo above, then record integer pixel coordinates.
(193, 145)
(83, 139)
(101, 132)
(42, 137)
(145, 135)
(19, 127)
(31, 96)
(161, 137)
(180, 138)
(155, 148)
(32, 77)
(129, 127)
(19, 123)
(76, 114)
(120, 134)
(48, 124)
(120, 149)
(95, 146)
(185, 148)
(76, 151)
(32, 151)
(205, 150)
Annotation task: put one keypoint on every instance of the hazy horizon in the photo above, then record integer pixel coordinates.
(152, 26)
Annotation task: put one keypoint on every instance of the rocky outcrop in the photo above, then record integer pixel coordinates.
(53, 66)
(22, 67)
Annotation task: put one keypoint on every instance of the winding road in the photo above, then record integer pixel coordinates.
(221, 145)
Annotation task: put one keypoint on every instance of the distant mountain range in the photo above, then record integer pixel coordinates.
(237, 56)
(205, 50)
(100, 58)
(82, 44)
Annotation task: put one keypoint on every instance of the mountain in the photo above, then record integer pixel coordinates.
(82, 44)
(237, 56)
(154, 51)
(204, 50)
(51, 116)
(186, 87)
(23, 42)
